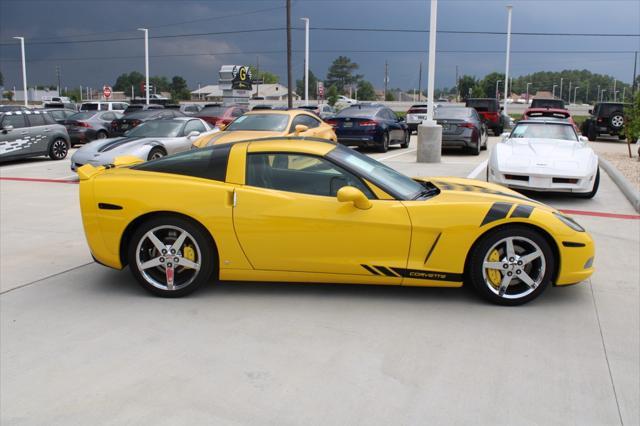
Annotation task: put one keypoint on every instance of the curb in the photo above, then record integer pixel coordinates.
(625, 186)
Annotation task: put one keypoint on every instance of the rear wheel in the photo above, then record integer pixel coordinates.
(171, 256)
(156, 153)
(616, 121)
(384, 146)
(622, 137)
(511, 266)
(407, 139)
(101, 135)
(498, 130)
(59, 149)
(592, 135)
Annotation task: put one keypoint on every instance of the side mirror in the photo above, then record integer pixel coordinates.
(193, 134)
(352, 194)
(504, 136)
(583, 139)
(590, 111)
(6, 129)
(400, 118)
(300, 128)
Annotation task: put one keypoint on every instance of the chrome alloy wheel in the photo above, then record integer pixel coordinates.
(168, 257)
(513, 267)
(155, 155)
(617, 121)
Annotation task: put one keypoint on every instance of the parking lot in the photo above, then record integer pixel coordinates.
(84, 344)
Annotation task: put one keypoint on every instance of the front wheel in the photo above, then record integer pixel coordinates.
(156, 153)
(59, 149)
(171, 256)
(511, 266)
(591, 133)
(102, 135)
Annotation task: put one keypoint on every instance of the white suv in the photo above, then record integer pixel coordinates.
(104, 106)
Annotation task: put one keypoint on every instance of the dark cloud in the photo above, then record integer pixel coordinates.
(62, 21)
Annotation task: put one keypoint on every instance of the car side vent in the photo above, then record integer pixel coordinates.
(564, 180)
(517, 177)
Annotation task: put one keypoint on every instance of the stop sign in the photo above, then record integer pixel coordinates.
(106, 91)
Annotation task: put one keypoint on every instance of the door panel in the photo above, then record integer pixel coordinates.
(286, 231)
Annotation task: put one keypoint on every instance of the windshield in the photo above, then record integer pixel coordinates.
(544, 131)
(157, 129)
(260, 122)
(484, 105)
(82, 115)
(382, 175)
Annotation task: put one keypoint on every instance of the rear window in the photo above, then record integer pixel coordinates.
(483, 105)
(358, 112)
(82, 115)
(534, 114)
(89, 107)
(133, 108)
(452, 113)
(206, 163)
(212, 111)
(548, 103)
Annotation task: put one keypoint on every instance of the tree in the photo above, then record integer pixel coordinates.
(125, 81)
(179, 89)
(266, 76)
(632, 128)
(8, 95)
(313, 83)
(467, 86)
(159, 84)
(332, 95)
(488, 84)
(341, 73)
(366, 91)
(389, 97)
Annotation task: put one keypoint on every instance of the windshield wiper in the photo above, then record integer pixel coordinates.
(426, 193)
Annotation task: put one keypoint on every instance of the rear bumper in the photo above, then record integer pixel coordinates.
(361, 138)
(82, 135)
(457, 141)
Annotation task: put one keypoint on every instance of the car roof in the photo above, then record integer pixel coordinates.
(26, 112)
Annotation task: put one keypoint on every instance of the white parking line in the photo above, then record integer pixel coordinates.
(397, 155)
(476, 172)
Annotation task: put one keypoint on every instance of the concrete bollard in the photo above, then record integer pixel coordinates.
(429, 143)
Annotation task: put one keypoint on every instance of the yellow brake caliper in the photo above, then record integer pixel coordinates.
(494, 274)
(189, 253)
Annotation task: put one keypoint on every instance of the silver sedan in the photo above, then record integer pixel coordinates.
(148, 141)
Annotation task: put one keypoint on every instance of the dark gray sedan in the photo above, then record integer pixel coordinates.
(86, 126)
(462, 128)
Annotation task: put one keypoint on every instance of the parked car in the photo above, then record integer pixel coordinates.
(86, 126)
(415, 115)
(490, 111)
(60, 105)
(31, 134)
(323, 111)
(546, 156)
(187, 109)
(221, 115)
(60, 115)
(344, 101)
(370, 126)
(552, 113)
(148, 141)
(104, 106)
(141, 107)
(605, 118)
(130, 120)
(267, 123)
(6, 108)
(547, 103)
(462, 128)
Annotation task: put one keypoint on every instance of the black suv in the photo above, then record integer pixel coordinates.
(606, 118)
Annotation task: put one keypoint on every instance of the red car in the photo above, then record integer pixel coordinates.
(553, 113)
(217, 115)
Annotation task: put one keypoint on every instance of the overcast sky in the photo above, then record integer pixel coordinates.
(198, 58)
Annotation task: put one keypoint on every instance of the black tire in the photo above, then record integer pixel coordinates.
(200, 245)
(622, 137)
(475, 150)
(592, 135)
(101, 134)
(384, 145)
(407, 139)
(59, 149)
(593, 191)
(517, 292)
(498, 131)
(484, 147)
(155, 153)
(616, 121)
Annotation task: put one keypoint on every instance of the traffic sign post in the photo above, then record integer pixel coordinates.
(106, 91)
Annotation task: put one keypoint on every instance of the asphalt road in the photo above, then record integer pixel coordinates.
(83, 344)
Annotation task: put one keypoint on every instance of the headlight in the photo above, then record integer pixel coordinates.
(569, 222)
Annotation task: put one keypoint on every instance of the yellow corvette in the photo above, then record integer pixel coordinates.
(270, 123)
(314, 211)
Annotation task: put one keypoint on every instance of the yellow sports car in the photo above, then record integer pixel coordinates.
(315, 211)
(270, 123)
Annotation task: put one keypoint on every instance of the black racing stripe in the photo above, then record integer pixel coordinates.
(522, 210)
(497, 211)
(572, 244)
(370, 269)
(107, 206)
(426, 259)
(428, 275)
(116, 143)
(388, 272)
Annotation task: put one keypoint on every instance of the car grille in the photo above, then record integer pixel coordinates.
(517, 177)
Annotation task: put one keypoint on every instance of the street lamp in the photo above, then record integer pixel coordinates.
(146, 60)
(624, 91)
(306, 60)
(598, 94)
(554, 91)
(569, 96)
(528, 84)
(602, 94)
(506, 73)
(497, 92)
(575, 90)
(561, 88)
(24, 71)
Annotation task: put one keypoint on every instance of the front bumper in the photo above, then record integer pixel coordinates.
(541, 182)
(576, 260)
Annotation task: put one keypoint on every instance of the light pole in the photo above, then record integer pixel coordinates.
(497, 90)
(433, 21)
(575, 91)
(528, 84)
(614, 89)
(624, 91)
(569, 100)
(24, 72)
(561, 79)
(146, 60)
(602, 94)
(553, 92)
(506, 73)
(306, 60)
(598, 94)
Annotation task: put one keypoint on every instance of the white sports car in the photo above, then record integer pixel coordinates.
(148, 141)
(545, 155)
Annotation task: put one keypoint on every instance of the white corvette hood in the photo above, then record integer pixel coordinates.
(545, 157)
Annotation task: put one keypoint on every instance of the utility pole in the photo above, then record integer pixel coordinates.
(506, 74)
(575, 91)
(633, 82)
(80, 93)
(419, 84)
(306, 60)
(615, 80)
(528, 84)
(24, 72)
(561, 79)
(624, 91)
(59, 85)
(553, 91)
(386, 78)
(457, 86)
(258, 76)
(569, 100)
(497, 89)
(587, 94)
(598, 94)
(289, 77)
(146, 60)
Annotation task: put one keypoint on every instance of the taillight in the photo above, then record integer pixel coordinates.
(367, 123)
(332, 123)
(467, 125)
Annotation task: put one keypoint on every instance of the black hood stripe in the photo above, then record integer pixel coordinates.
(116, 143)
(498, 211)
(522, 211)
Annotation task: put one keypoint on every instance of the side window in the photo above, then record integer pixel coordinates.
(237, 112)
(306, 120)
(391, 115)
(17, 121)
(304, 174)
(206, 163)
(108, 116)
(194, 125)
(36, 120)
